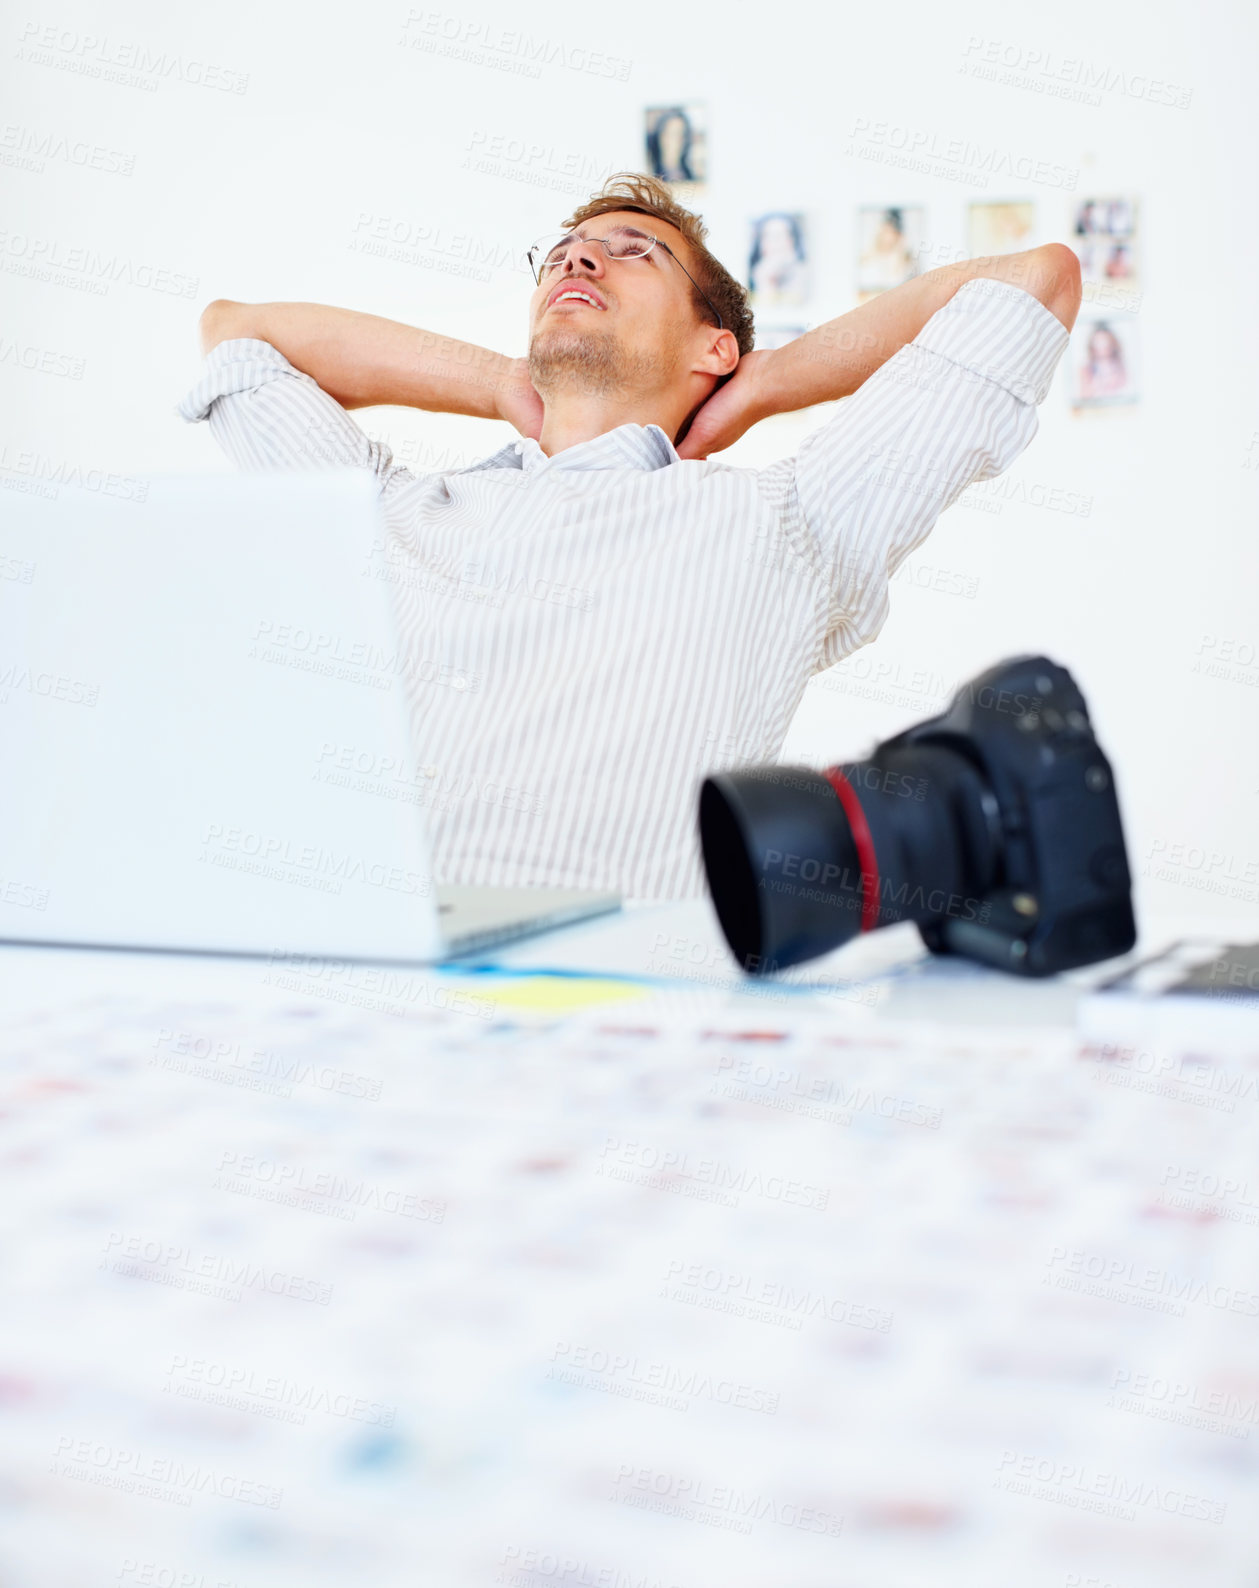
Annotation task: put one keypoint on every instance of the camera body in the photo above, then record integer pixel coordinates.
(994, 827)
(1062, 896)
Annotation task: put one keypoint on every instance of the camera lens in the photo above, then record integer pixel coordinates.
(994, 827)
(800, 861)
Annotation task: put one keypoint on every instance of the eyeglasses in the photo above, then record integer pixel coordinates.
(623, 242)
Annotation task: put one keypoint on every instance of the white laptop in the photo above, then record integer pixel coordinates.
(204, 740)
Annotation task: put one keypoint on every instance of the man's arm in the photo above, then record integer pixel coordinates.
(361, 360)
(835, 359)
(954, 406)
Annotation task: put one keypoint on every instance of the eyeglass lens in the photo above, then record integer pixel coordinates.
(620, 244)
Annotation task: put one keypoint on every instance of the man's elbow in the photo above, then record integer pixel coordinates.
(221, 321)
(1060, 285)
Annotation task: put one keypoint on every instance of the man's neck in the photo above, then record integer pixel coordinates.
(567, 423)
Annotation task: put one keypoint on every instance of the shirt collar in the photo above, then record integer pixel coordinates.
(629, 446)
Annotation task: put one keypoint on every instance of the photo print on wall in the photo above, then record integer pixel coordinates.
(778, 261)
(890, 240)
(1105, 361)
(677, 144)
(1006, 227)
(1104, 235)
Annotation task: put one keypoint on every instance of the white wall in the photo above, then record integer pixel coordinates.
(343, 123)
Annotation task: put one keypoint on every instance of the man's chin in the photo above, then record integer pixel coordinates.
(562, 355)
(567, 335)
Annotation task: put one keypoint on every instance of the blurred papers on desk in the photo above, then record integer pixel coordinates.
(696, 1291)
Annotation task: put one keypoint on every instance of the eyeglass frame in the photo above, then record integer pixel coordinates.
(655, 242)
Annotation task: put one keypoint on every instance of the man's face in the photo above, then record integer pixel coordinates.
(640, 333)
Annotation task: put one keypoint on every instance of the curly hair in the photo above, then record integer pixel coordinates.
(633, 190)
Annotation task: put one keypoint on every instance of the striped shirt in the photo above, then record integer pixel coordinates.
(613, 622)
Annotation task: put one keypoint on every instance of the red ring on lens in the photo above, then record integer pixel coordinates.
(866, 857)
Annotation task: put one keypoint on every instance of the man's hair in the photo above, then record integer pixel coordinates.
(632, 190)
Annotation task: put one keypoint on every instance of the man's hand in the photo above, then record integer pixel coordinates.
(731, 410)
(518, 401)
(833, 360)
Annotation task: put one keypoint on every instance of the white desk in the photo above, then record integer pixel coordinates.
(399, 1278)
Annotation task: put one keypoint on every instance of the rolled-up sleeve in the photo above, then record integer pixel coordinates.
(956, 405)
(267, 415)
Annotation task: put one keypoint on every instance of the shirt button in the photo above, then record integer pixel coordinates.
(428, 771)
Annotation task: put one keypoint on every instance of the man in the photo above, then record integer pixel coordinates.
(623, 613)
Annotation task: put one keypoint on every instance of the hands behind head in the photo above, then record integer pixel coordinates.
(732, 409)
(519, 403)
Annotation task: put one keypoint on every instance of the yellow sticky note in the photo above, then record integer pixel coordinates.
(558, 993)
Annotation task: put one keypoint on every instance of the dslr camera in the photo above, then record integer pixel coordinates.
(994, 827)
